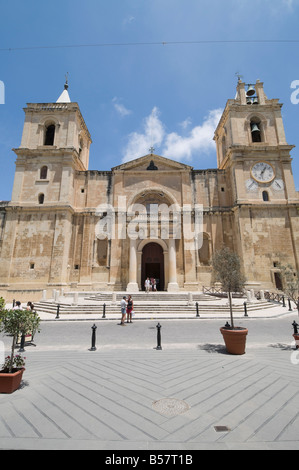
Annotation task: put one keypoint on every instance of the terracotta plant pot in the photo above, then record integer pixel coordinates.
(296, 338)
(235, 339)
(10, 382)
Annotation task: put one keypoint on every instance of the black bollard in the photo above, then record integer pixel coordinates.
(57, 312)
(22, 345)
(295, 326)
(245, 309)
(283, 301)
(13, 303)
(197, 312)
(290, 306)
(93, 338)
(104, 311)
(159, 347)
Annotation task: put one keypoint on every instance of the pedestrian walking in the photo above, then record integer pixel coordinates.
(147, 285)
(123, 306)
(130, 307)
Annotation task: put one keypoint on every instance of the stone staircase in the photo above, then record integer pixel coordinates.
(161, 304)
(146, 297)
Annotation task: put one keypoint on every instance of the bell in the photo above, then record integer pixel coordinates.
(250, 90)
(255, 100)
(248, 101)
(254, 128)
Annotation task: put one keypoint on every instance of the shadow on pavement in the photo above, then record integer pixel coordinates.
(213, 348)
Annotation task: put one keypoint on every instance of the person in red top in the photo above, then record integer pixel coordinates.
(129, 309)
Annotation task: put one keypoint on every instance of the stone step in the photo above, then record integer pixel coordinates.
(156, 296)
(166, 308)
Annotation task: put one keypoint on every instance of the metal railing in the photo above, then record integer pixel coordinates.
(218, 292)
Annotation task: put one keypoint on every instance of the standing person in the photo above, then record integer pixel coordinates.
(147, 284)
(129, 309)
(30, 306)
(154, 285)
(18, 306)
(123, 305)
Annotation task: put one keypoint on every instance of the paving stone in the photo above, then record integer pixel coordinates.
(72, 398)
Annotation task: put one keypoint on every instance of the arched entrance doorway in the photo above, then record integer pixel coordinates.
(152, 264)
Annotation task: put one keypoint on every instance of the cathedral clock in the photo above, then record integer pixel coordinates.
(262, 172)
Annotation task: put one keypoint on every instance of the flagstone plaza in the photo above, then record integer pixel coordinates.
(127, 395)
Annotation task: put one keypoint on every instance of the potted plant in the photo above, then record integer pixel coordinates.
(14, 323)
(227, 270)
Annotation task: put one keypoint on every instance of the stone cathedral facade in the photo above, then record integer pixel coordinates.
(53, 229)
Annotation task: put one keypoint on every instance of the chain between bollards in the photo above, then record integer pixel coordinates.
(93, 338)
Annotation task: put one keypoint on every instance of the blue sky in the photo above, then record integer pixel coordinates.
(134, 96)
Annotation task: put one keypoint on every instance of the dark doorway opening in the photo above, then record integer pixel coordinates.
(50, 134)
(278, 283)
(153, 265)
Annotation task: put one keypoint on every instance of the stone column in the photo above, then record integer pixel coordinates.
(172, 277)
(133, 286)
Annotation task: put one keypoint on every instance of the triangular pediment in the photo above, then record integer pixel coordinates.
(152, 162)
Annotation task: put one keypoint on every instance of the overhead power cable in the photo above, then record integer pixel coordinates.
(161, 43)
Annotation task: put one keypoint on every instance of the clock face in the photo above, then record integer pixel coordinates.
(278, 184)
(251, 185)
(263, 172)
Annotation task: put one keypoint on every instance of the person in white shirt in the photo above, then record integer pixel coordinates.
(147, 284)
(18, 306)
(123, 306)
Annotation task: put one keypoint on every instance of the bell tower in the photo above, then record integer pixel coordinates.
(251, 145)
(55, 144)
(252, 149)
(54, 148)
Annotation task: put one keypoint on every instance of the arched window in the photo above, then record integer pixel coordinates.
(49, 134)
(204, 252)
(265, 196)
(81, 144)
(44, 173)
(223, 146)
(255, 128)
(41, 198)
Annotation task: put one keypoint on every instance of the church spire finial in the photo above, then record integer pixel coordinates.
(66, 85)
(65, 97)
